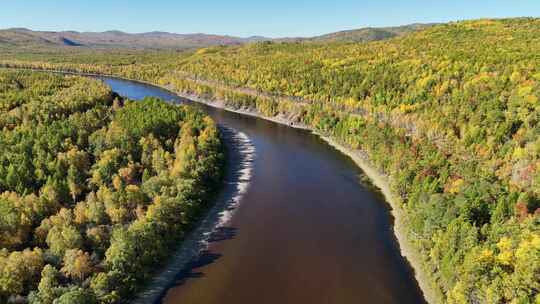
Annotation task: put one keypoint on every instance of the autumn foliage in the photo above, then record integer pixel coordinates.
(95, 192)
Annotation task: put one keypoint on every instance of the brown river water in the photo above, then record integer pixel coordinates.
(308, 230)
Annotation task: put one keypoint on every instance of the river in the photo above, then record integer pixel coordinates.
(308, 229)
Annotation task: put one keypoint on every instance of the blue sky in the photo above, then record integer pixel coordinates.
(273, 18)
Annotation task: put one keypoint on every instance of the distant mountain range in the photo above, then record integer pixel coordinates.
(117, 39)
(163, 40)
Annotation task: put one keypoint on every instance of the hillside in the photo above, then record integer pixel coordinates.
(450, 113)
(363, 35)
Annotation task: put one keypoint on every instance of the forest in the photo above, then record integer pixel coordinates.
(450, 113)
(95, 190)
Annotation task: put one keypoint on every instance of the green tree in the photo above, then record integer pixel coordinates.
(63, 237)
(48, 288)
(77, 296)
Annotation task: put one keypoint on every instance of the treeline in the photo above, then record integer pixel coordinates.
(95, 191)
(450, 113)
(134, 64)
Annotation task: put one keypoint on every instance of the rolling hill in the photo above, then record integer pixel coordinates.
(370, 33)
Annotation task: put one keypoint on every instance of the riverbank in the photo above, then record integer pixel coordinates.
(220, 104)
(382, 182)
(240, 155)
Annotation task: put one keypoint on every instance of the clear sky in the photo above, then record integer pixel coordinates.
(272, 18)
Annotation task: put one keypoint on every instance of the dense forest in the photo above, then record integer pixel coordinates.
(95, 191)
(450, 113)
